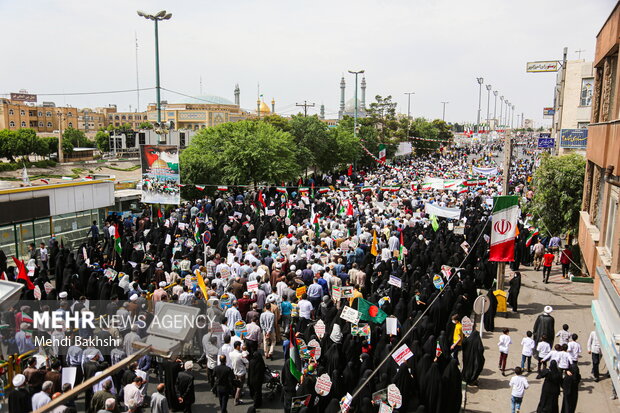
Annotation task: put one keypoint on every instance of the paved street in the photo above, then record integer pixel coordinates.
(571, 305)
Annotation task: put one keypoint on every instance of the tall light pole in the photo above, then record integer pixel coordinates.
(409, 103)
(506, 115)
(355, 116)
(480, 82)
(495, 110)
(162, 15)
(489, 87)
(443, 114)
(501, 109)
(512, 120)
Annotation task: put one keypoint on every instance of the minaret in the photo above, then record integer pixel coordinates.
(341, 111)
(273, 106)
(322, 112)
(258, 108)
(237, 95)
(363, 102)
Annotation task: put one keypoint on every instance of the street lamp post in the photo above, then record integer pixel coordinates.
(355, 115)
(512, 121)
(480, 82)
(506, 115)
(489, 87)
(501, 109)
(61, 154)
(443, 113)
(409, 103)
(162, 15)
(495, 110)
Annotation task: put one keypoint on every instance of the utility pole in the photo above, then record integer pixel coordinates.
(579, 53)
(489, 87)
(61, 154)
(495, 110)
(501, 109)
(409, 103)
(443, 113)
(501, 267)
(480, 81)
(305, 105)
(560, 104)
(137, 76)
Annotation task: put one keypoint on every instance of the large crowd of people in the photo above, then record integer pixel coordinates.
(278, 273)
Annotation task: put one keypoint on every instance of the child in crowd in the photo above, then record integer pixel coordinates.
(543, 348)
(518, 384)
(504, 342)
(527, 349)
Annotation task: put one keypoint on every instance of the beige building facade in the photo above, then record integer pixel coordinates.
(43, 118)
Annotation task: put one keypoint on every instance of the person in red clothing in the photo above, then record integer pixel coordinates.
(245, 303)
(547, 263)
(565, 259)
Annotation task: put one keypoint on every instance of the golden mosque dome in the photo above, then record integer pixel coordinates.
(264, 108)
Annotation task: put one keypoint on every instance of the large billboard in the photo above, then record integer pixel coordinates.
(574, 138)
(544, 66)
(160, 174)
(548, 112)
(23, 97)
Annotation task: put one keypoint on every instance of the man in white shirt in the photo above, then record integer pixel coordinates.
(594, 348)
(305, 311)
(240, 369)
(42, 398)
(132, 392)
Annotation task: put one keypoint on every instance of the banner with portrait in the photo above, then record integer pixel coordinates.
(160, 174)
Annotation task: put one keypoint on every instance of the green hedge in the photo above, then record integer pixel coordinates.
(4, 167)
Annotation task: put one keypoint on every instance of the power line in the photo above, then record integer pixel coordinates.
(90, 93)
(305, 105)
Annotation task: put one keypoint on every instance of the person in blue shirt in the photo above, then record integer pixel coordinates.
(285, 310)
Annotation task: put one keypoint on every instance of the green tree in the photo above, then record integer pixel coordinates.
(49, 145)
(7, 138)
(367, 137)
(240, 153)
(382, 115)
(278, 121)
(102, 140)
(146, 125)
(558, 184)
(313, 143)
(67, 146)
(76, 137)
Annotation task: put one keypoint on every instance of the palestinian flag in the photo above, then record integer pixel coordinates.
(370, 311)
(315, 223)
(533, 232)
(312, 187)
(261, 199)
(373, 247)
(117, 240)
(503, 228)
(222, 188)
(22, 274)
(281, 190)
(382, 153)
(323, 190)
(401, 251)
(197, 237)
(294, 360)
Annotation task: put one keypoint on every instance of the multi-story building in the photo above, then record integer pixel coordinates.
(90, 120)
(599, 225)
(117, 119)
(42, 118)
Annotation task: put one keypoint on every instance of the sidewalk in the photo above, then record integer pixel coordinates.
(571, 305)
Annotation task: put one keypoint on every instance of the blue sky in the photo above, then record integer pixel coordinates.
(298, 50)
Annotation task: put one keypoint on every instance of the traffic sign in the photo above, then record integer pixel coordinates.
(206, 237)
(481, 305)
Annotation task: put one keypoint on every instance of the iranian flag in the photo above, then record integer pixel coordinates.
(382, 153)
(366, 188)
(117, 240)
(390, 188)
(304, 189)
(426, 186)
(200, 187)
(294, 360)
(530, 238)
(503, 228)
(323, 190)
(281, 190)
(222, 188)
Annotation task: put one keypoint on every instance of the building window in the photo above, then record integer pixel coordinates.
(40, 124)
(49, 124)
(142, 138)
(182, 139)
(11, 112)
(12, 124)
(612, 210)
(32, 113)
(70, 124)
(22, 112)
(130, 117)
(69, 114)
(117, 124)
(23, 124)
(48, 113)
(110, 117)
(40, 113)
(582, 125)
(587, 87)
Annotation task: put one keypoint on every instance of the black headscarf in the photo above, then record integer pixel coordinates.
(473, 357)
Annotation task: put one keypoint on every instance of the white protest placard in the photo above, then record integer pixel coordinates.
(253, 286)
(270, 212)
(168, 239)
(48, 287)
(323, 385)
(319, 329)
(395, 281)
(395, 399)
(391, 326)
(349, 314)
(465, 246)
(68, 375)
(37, 292)
(345, 402)
(402, 354)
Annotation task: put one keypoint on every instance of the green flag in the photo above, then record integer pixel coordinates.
(370, 311)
